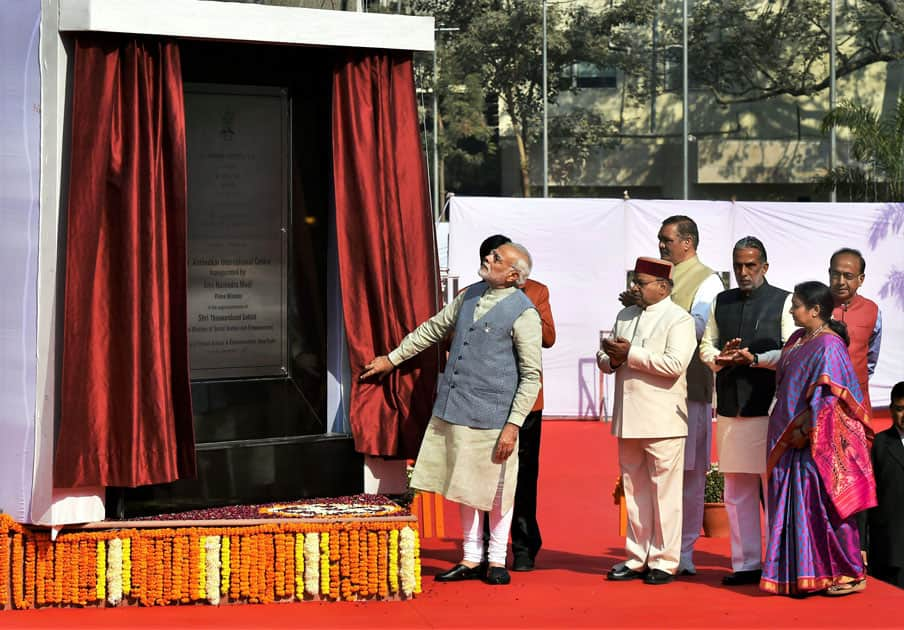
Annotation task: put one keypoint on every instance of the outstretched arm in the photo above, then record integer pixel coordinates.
(422, 337)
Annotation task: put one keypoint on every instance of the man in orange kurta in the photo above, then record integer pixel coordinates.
(862, 316)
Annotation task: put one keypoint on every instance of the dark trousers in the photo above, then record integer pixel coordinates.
(526, 539)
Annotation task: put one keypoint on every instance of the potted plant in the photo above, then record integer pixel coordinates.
(715, 517)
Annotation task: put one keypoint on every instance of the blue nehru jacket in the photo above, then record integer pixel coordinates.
(481, 376)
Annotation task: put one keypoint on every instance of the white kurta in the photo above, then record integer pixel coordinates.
(650, 420)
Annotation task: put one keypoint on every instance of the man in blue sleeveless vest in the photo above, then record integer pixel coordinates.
(526, 537)
(750, 324)
(490, 383)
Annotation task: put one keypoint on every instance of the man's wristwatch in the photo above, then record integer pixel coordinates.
(756, 359)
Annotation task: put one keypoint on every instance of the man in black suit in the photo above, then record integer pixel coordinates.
(886, 521)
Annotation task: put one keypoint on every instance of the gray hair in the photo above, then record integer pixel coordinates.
(752, 242)
(523, 262)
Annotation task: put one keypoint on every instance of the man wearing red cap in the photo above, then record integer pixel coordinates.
(651, 347)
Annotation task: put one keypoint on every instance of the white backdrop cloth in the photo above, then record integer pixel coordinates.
(20, 154)
(583, 248)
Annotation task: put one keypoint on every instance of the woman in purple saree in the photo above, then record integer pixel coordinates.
(818, 466)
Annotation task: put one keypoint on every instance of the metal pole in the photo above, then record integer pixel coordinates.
(685, 123)
(832, 135)
(545, 113)
(436, 207)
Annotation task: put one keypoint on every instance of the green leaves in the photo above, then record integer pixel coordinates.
(877, 151)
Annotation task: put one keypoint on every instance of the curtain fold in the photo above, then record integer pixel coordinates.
(386, 244)
(125, 408)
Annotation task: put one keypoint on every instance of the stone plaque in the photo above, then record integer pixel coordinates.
(238, 199)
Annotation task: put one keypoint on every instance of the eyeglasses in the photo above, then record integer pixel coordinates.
(837, 275)
(642, 284)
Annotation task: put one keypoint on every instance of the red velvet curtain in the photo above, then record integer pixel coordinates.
(125, 410)
(386, 243)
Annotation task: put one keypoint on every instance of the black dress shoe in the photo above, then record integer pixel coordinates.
(497, 576)
(740, 578)
(523, 563)
(657, 576)
(623, 573)
(460, 572)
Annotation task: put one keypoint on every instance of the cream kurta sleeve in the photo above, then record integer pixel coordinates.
(527, 335)
(709, 343)
(428, 333)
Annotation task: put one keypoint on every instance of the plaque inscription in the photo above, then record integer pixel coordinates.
(237, 140)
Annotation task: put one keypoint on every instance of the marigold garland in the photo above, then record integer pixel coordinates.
(40, 567)
(394, 561)
(325, 563)
(290, 575)
(361, 564)
(100, 586)
(235, 562)
(279, 545)
(334, 566)
(345, 549)
(4, 561)
(59, 572)
(298, 548)
(126, 566)
(31, 555)
(268, 569)
(194, 567)
(383, 565)
(342, 560)
(417, 561)
(178, 592)
(225, 567)
(18, 566)
(373, 574)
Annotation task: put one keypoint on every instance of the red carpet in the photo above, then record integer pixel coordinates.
(578, 469)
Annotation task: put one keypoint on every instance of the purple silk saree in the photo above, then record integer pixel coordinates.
(815, 491)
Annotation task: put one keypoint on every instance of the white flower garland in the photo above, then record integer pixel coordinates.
(406, 568)
(114, 571)
(212, 549)
(311, 564)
